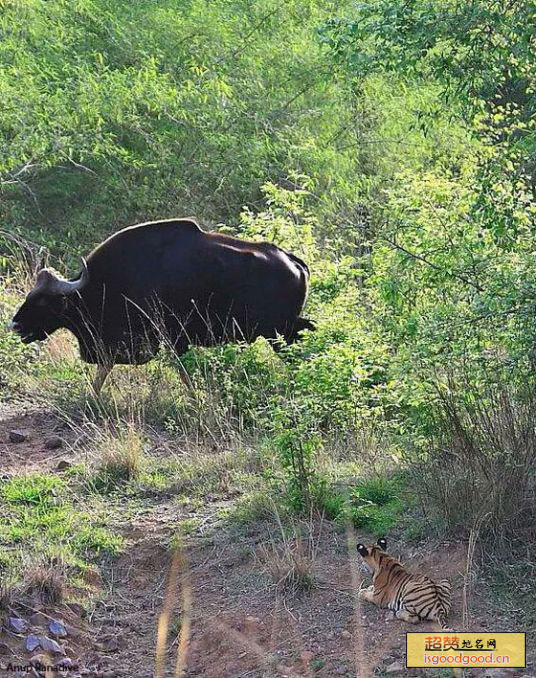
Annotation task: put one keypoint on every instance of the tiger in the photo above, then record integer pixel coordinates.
(412, 597)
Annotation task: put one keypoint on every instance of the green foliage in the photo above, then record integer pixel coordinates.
(296, 452)
(390, 144)
(113, 113)
(36, 489)
(15, 357)
(375, 505)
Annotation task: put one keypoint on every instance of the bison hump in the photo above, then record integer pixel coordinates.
(186, 223)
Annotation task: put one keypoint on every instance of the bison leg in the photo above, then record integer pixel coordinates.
(100, 377)
(299, 325)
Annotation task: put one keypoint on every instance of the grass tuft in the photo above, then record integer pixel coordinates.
(46, 582)
(119, 457)
(290, 561)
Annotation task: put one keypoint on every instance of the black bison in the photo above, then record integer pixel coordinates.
(168, 279)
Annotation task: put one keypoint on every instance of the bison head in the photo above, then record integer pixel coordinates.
(43, 311)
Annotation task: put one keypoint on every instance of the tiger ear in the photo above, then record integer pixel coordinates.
(362, 550)
(382, 543)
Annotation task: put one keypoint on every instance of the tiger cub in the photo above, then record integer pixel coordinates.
(412, 597)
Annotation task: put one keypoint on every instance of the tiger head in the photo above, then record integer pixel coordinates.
(373, 554)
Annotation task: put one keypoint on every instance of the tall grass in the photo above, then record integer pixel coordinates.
(480, 468)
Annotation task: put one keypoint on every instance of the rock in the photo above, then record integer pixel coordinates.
(57, 629)
(346, 634)
(17, 436)
(32, 643)
(53, 442)
(38, 619)
(50, 645)
(341, 670)
(395, 667)
(40, 660)
(63, 465)
(17, 625)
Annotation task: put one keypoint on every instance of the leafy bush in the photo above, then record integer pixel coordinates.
(375, 505)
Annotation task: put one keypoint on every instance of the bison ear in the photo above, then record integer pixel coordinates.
(362, 550)
(382, 543)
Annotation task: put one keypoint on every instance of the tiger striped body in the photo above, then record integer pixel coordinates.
(412, 597)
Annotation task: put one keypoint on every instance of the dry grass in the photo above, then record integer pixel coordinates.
(8, 589)
(289, 564)
(118, 454)
(480, 471)
(290, 561)
(45, 582)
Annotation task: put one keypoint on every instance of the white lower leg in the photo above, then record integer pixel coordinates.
(100, 377)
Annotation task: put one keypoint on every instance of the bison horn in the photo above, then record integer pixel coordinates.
(50, 282)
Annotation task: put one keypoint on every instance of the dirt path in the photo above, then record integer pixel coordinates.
(241, 626)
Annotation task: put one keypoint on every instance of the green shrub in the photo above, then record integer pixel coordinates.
(375, 505)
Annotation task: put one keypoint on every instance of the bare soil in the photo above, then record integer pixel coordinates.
(241, 624)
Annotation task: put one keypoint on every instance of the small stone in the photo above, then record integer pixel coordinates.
(50, 645)
(395, 667)
(53, 442)
(5, 649)
(63, 465)
(341, 670)
(346, 634)
(17, 436)
(32, 643)
(37, 618)
(57, 629)
(67, 664)
(39, 660)
(17, 625)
